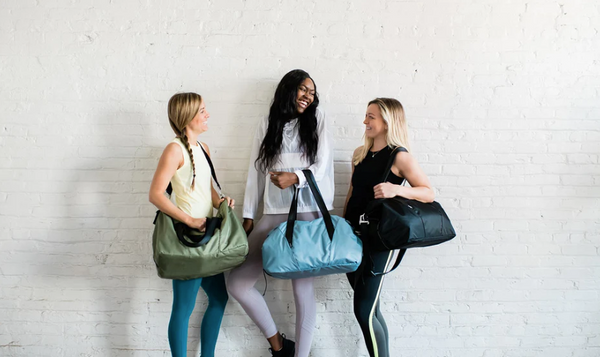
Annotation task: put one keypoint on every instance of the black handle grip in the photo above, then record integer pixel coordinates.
(195, 238)
(312, 184)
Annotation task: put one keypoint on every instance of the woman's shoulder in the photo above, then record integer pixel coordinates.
(319, 114)
(174, 150)
(357, 152)
(403, 157)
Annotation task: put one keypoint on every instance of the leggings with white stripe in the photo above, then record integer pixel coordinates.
(367, 289)
(241, 280)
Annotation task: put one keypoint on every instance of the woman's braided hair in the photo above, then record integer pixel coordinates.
(182, 108)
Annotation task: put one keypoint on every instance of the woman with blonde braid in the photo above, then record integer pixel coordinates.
(184, 165)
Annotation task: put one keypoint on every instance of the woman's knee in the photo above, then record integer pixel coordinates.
(218, 299)
(362, 314)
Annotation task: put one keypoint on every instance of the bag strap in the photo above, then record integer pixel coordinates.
(390, 162)
(183, 232)
(312, 184)
(212, 169)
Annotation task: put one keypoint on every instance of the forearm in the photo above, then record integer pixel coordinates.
(423, 194)
(166, 206)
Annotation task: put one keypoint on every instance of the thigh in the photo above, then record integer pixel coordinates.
(260, 232)
(215, 283)
(185, 292)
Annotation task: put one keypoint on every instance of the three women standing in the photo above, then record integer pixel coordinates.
(295, 136)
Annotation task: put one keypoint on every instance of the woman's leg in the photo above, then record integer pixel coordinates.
(215, 289)
(306, 305)
(306, 314)
(241, 280)
(184, 300)
(367, 289)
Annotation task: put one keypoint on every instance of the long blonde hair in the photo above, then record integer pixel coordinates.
(182, 108)
(392, 113)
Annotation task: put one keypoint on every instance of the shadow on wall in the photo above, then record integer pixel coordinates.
(104, 248)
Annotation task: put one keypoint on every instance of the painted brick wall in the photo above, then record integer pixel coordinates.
(503, 103)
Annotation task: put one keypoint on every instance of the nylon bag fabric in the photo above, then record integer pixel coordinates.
(399, 223)
(301, 249)
(183, 253)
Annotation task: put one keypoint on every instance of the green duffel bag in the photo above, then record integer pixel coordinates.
(182, 253)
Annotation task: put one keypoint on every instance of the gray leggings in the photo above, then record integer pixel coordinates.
(240, 285)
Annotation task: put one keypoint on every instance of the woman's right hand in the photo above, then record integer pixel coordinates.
(248, 225)
(198, 223)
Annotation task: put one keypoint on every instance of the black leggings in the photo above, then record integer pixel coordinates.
(367, 288)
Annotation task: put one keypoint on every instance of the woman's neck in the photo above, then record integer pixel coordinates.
(192, 137)
(379, 143)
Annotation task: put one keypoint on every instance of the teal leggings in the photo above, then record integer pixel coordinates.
(184, 300)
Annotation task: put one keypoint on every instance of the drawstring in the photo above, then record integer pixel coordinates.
(265, 275)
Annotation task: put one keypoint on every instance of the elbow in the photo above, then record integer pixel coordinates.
(431, 197)
(152, 197)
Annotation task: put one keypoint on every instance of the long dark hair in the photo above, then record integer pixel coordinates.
(283, 109)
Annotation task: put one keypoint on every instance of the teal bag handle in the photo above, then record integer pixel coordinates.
(312, 184)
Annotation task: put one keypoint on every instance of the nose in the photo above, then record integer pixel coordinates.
(365, 121)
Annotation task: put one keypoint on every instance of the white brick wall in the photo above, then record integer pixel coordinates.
(503, 101)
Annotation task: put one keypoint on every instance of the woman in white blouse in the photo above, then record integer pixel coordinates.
(295, 136)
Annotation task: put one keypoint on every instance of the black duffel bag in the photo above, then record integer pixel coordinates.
(399, 223)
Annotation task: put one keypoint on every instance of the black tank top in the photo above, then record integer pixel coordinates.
(367, 175)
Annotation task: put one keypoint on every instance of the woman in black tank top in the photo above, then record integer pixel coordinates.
(385, 130)
(367, 175)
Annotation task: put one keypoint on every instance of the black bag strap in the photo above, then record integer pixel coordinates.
(212, 168)
(390, 163)
(196, 239)
(312, 184)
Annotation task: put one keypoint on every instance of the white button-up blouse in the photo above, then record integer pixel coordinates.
(277, 201)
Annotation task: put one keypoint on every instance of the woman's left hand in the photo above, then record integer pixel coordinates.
(386, 190)
(230, 201)
(283, 180)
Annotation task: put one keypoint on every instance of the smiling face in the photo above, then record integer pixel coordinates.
(305, 95)
(200, 122)
(374, 123)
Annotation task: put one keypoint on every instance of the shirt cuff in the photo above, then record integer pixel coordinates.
(247, 215)
(301, 178)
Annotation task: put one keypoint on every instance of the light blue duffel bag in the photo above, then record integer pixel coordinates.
(301, 249)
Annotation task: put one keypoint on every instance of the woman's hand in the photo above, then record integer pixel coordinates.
(230, 201)
(283, 180)
(248, 225)
(198, 223)
(386, 190)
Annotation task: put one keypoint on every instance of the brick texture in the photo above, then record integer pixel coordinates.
(503, 104)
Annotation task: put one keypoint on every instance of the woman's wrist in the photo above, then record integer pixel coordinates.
(399, 189)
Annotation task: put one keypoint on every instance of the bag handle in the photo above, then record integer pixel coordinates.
(390, 162)
(312, 184)
(196, 240)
